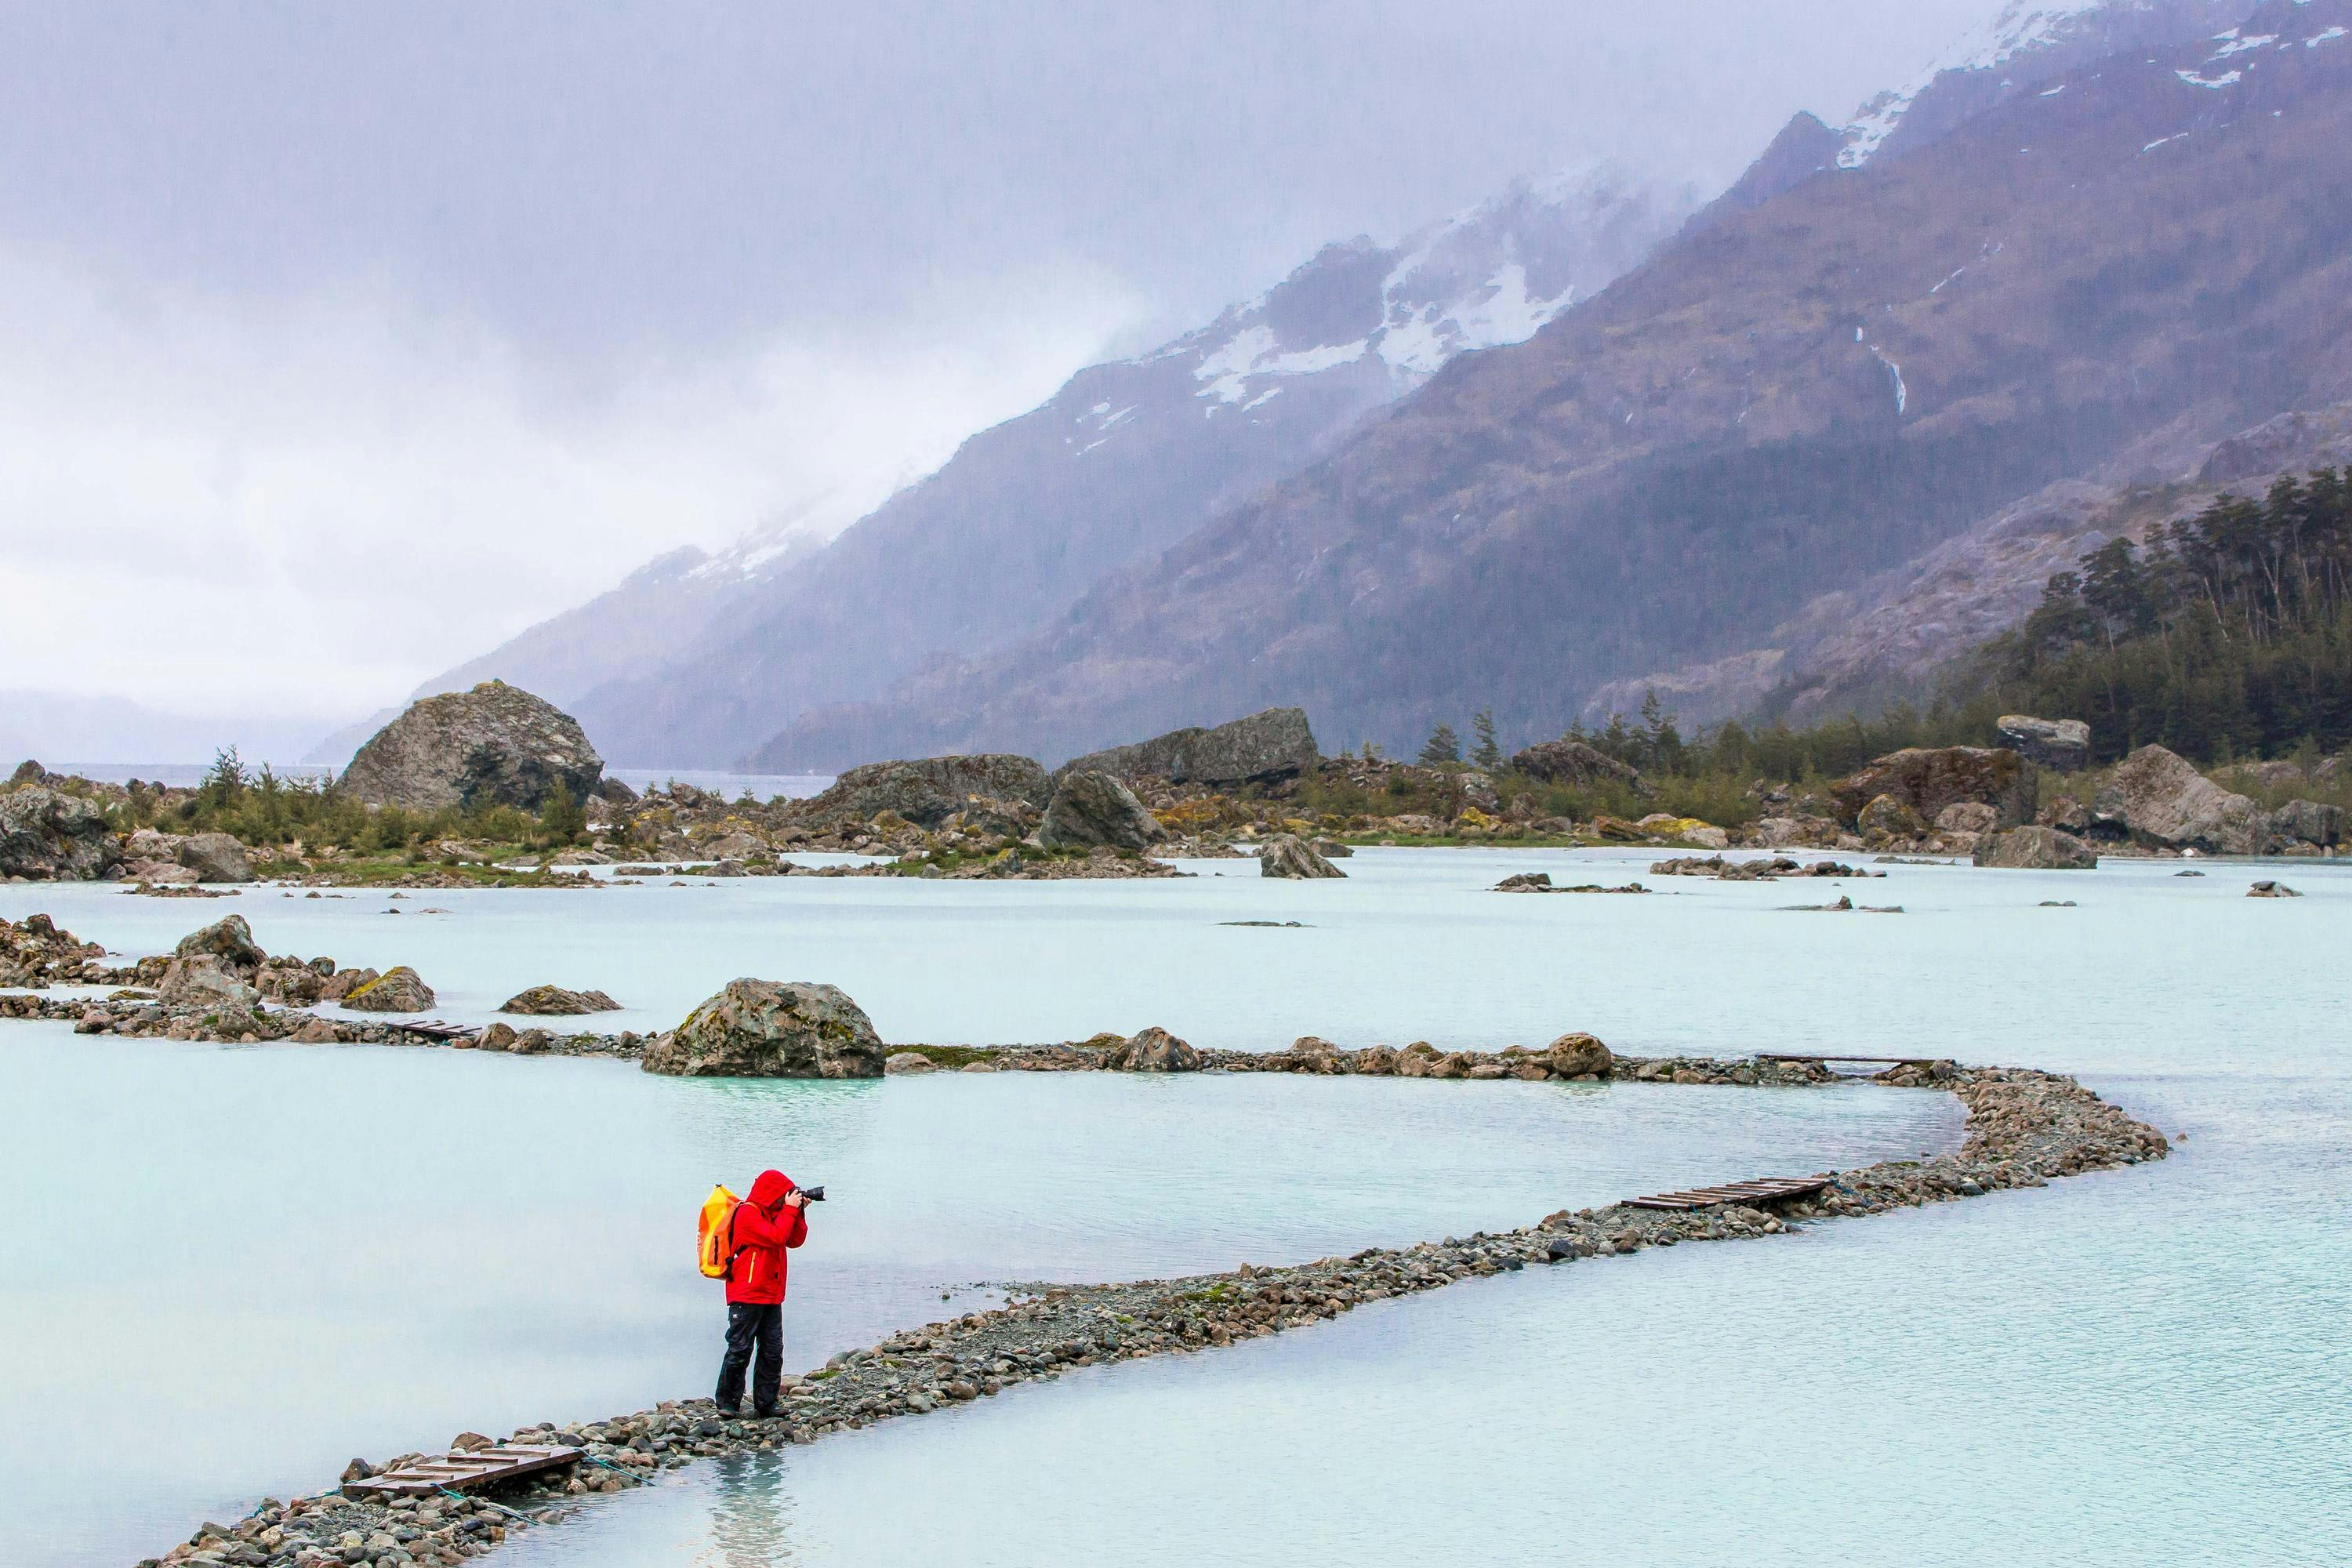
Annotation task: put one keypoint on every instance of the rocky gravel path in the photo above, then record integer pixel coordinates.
(2024, 1128)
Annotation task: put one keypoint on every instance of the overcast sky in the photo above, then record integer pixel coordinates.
(339, 342)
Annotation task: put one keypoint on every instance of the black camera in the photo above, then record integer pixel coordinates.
(813, 1195)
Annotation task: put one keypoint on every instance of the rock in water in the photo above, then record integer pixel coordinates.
(1572, 1054)
(1576, 765)
(761, 1029)
(554, 1001)
(2036, 850)
(1273, 745)
(215, 858)
(396, 990)
(898, 1064)
(1155, 1050)
(230, 940)
(1287, 854)
(1092, 808)
(2156, 797)
(2063, 744)
(926, 791)
(494, 745)
(49, 836)
(1526, 882)
(2271, 890)
(1928, 779)
(205, 980)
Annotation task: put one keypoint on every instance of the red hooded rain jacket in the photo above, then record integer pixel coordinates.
(762, 1226)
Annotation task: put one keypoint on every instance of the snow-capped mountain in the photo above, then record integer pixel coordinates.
(1124, 460)
(2025, 45)
(2098, 278)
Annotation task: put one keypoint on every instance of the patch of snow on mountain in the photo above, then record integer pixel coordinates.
(2317, 40)
(2239, 46)
(1251, 352)
(2021, 25)
(2227, 79)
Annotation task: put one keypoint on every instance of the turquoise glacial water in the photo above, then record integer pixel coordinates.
(359, 1250)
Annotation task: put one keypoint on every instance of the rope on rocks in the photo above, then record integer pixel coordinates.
(616, 1469)
(486, 1503)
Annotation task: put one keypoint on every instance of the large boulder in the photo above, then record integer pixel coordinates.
(1154, 1050)
(1928, 779)
(1574, 1056)
(2308, 822)
(230, 940)
(926, 791)
(765, 1028)
(205, 980)
(494, 745)
(397, 990)
(2036, 848)
(1287, 854)
(1091, 808)
(1885, 819)
(215, 858)
(46, 836)
(1576, 766)
(2158, 799)
(2063, 744)
(1273, 744)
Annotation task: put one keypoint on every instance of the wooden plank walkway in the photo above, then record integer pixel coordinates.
(434, 1029)
(1771, 1189)
(462, 1470)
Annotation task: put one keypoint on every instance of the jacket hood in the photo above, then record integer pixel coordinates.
(769, 1189)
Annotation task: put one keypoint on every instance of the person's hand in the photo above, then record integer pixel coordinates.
(796, 1199)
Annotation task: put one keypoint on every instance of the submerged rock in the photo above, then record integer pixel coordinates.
(2063, 744)
(554, 1001)
(47, 835)
(766, 1028)
(1287, 854)
(1273, 745)
(1092, 808)
(2036, 848)
(494, 745)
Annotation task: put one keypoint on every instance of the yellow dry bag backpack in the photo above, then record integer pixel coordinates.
(714, 1232)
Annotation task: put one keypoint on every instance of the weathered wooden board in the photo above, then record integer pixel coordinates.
(462, 1470)
(1770, 1189)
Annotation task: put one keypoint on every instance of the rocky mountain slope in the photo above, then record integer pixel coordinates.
(2140, 256)
(694, 662)
(1854, 649)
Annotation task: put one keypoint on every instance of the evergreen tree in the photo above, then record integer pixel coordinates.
(562, 818)
(1486, 755)
(1443, 746)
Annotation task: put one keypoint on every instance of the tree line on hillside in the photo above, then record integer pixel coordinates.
(2226, 634)
(2223, 636)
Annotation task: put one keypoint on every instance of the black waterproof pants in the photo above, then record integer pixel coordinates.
(749, 1327)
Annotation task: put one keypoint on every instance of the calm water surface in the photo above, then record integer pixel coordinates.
(361, 1250)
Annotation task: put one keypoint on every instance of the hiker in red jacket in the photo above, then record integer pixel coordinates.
(771, 1219)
